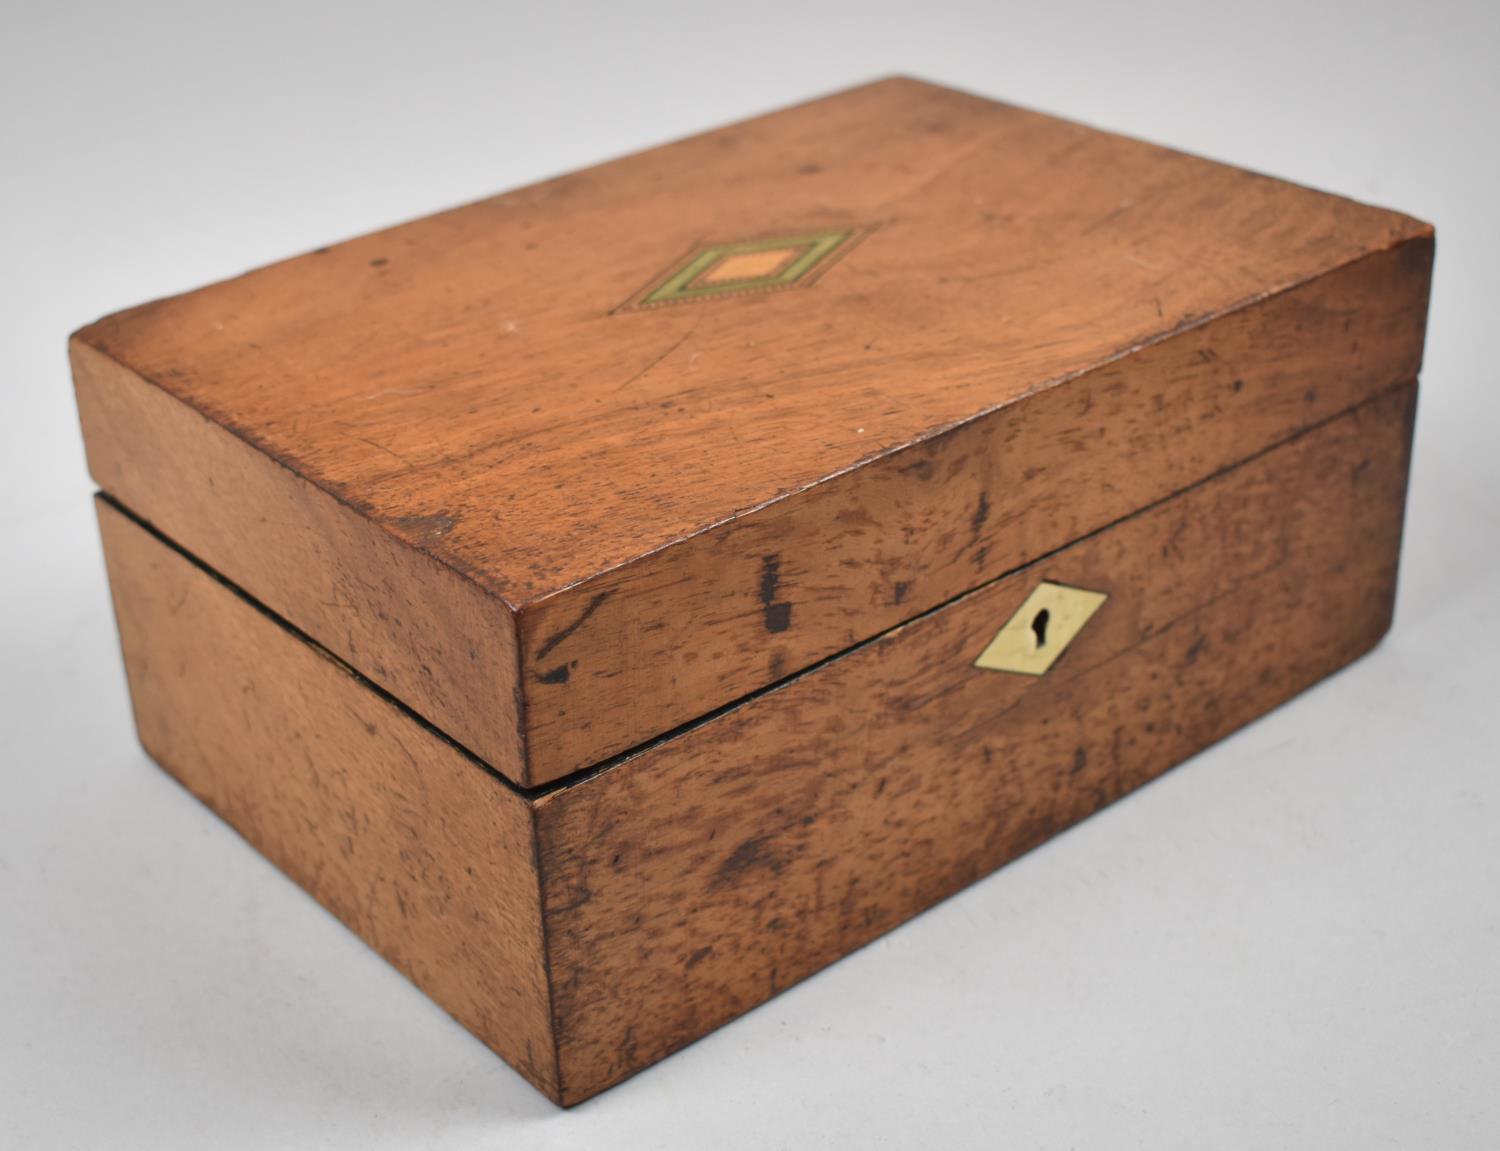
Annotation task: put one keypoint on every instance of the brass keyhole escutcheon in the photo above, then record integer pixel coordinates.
(1041, 629)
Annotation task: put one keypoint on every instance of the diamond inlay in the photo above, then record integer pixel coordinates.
(749, 266)
(1041, 629)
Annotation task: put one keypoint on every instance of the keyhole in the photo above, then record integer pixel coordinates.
(1039, 627)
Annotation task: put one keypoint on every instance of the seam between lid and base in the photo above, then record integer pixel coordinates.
(541, 791)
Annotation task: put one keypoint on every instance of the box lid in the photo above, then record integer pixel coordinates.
(572, 466)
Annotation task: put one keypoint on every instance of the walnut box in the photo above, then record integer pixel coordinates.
(618, 599)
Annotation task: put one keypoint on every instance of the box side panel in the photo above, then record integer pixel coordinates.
(425, 855)
(692, 882)
(617, 660)
(418, 629)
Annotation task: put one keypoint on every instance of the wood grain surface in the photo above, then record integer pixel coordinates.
(588, 929)
(423, 853)
(557, 528)
(695, 881)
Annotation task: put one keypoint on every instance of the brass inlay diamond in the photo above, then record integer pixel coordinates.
(1041, 629)
(749, 266)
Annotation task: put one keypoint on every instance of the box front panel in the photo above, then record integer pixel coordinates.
(690, 883)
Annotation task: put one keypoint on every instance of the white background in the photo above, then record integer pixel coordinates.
(1293, 941)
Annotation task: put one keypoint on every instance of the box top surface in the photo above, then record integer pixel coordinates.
(559, 382)
(484, 369)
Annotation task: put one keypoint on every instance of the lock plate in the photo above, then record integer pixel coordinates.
(1041, 629)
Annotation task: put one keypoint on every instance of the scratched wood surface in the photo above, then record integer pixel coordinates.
(587, 930)
(557, 527)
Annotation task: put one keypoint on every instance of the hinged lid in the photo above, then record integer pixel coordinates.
(572, 466)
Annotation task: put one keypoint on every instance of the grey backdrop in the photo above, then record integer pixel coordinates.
(1293, 941)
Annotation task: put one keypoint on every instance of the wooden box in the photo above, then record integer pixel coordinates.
(618, 599)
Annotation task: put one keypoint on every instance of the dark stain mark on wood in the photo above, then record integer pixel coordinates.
(778, 616)
(981, 513)
(976, 525)
(902, 587)
(1080, 759)
(750, 854)
(922, 469)
(557, 637)
(778, 613)
(697, 957)
(379, 262)
(577, 898)
(558, 674)
(1193, 652)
